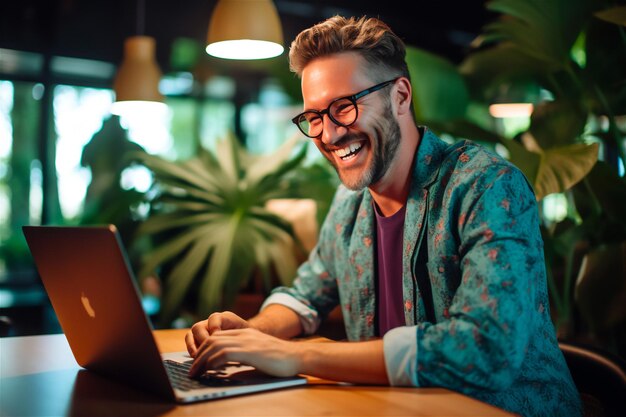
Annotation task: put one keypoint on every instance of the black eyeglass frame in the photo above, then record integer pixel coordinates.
(353, 98)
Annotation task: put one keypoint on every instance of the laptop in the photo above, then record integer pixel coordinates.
(86, 273)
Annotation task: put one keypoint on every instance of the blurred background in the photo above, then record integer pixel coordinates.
(66, 159)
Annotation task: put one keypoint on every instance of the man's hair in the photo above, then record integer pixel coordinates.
(370, 37)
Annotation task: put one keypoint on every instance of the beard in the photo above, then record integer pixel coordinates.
(383, 146)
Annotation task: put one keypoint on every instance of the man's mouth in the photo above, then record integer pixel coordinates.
(349, 151)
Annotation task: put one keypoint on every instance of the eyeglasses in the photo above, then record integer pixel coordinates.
(343, 111)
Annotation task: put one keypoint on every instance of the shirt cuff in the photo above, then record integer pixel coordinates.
(400, 351)
(309, 319)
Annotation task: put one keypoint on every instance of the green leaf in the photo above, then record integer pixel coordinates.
(605, 49)
(439, 91)
(467, 130)
(610, 190)
(557, 123)
(615, 15)
(181, 277)
(562, 167)
(182, 203)
(213, 285)
(525, 40)
(485, 70)
(270, 183)
(267, 164)
(528, 162)
(598, 294)
(172, 248)
(228, 153)
(162, 222)
(553, 170)
(541, 29)
(285, 266)
(168, 169)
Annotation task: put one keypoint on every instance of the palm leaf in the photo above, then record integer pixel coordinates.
(167, 170)
(213, 286)
(181, 203)
(615, 15)
(267, 165)
(181, 277)
(209, 214)
(163, 222)
(228, 157)
(172, 248)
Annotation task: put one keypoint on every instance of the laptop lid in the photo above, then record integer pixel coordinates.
(91, 287)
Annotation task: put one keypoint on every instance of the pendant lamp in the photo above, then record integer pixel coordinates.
(515, 99)
(136, 83)
(245, 29)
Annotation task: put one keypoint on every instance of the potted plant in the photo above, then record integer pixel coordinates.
(210, 229)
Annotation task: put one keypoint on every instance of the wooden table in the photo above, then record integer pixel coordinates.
(39, 377)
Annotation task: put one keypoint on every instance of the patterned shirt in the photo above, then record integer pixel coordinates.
(491, 336)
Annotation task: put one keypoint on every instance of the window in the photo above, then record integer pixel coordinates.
(61, 152)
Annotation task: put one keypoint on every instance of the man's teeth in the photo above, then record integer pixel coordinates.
(348, 150)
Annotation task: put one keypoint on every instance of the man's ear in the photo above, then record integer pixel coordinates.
(403, 96)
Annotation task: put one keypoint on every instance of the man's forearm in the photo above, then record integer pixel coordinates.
(356, 362)
(277, 320)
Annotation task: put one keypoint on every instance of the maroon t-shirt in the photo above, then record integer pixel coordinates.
(389, 234)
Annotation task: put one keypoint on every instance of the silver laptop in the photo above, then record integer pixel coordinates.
(87, 276)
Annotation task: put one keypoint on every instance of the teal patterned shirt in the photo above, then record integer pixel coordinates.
(492, 337)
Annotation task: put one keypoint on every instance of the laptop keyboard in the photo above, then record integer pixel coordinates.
(179, 375)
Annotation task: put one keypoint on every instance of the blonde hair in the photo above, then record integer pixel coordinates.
(370, 37)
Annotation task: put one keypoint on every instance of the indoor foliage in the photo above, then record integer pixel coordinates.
(210, 229)
(568, 57)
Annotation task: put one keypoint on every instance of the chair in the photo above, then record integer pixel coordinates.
(600, 378)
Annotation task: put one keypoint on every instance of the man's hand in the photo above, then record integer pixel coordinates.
(267, 353)
(360, 362)
(203, 329)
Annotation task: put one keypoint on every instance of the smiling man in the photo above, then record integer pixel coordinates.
(432, 250)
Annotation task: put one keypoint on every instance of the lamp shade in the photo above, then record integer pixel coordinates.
(138, 77)
(245, 29)
(509, 110)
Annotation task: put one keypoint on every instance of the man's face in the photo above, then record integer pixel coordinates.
(361, 153)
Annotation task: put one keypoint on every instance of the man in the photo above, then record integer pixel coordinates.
(432, 250)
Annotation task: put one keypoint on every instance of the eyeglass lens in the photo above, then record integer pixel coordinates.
(343, 112)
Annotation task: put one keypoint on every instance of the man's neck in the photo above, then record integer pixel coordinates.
(391, 192)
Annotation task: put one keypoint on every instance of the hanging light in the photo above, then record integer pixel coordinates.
(136, 84)
(510, 110)
(514, 99)
(245, 29)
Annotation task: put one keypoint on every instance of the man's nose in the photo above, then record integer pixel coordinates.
(332, 132)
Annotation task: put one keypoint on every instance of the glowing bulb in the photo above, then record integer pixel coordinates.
(244, 49)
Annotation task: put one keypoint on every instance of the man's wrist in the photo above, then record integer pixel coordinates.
(277, 320)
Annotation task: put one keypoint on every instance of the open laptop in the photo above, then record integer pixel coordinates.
(87, 276)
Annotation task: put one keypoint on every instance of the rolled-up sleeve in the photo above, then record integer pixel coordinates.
(309, 318)
(400, 351)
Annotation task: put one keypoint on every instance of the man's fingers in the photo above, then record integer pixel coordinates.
(214, 322)
(194, 338)
(212, 354)
(191, 344)
(200, 332)
(224, 321)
